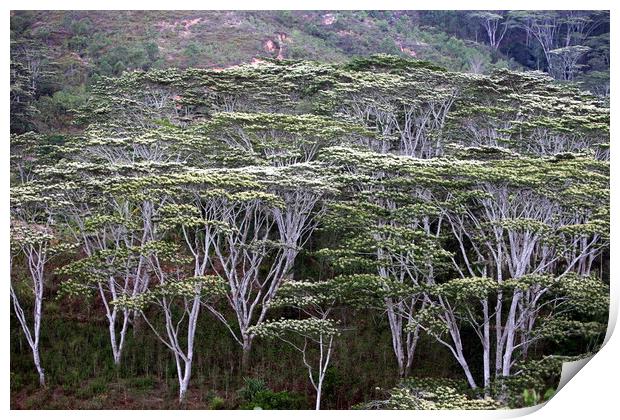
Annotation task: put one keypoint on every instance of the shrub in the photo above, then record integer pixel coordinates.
(270, 400)
(251, 388)
(217, 403)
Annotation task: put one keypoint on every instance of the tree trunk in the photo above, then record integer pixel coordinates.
(510, 335)
(317, 406)
(245, 357)
(396, 328)
(499, 334)
(486, 346)
(184, 382)
(38, 305)
(116, 351)
(182, 392)
(468, 375)
(117, 358)
(37, 363)
(412, 342)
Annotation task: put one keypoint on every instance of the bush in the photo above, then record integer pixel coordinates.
(283, 400)
(217, 403)
(251, 388)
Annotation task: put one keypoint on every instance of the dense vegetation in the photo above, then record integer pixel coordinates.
(377, 232)
(62, 54)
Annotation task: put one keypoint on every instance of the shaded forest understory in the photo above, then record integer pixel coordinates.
(82, 374)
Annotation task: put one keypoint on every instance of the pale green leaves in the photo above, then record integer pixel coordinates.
(310, 327)
(204, 287)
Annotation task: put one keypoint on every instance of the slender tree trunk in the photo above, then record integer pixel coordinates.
(183, 359)
(116, 354)
(37, 275)
(395, 322)
(499, 341)
(404, 349)
(31, 337)
(510, 335)
(468, 375)
(246, 355)
(38, 314)
(317, 405)
(460, 357)
(323, 363)
(486, 346)
(117, 343)
(184, 381)
(121, 344)
(191, 332)
(457, 348)
(412, 342)
(37, 363)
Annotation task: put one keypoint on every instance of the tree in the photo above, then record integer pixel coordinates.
(555, 30)
(314, 331)
(107, 223)
(313, 336)
(565, 60)
(33, 244)
(491, 22)
(387, 228)
(250, 238)
(469, 209)
(517, 227)
(280, 139)
(514, 218)
(22, 96)
(176, 295)
(529, 114)
(406, 107)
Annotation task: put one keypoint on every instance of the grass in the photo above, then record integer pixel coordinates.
(80, 372)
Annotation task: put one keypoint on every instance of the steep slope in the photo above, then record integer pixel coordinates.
(57, 55)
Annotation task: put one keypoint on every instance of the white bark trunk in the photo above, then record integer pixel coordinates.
(37, 363)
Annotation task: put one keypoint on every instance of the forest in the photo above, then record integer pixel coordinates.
(372, 231)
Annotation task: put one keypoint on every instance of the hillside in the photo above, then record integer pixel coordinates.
(95, 39)
(64, 52)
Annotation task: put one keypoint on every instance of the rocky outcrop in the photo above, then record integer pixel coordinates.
(276, 44)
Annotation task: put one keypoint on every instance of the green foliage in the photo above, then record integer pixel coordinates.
(185, 288)
(270, 400)
(389, 63)
(533, 383)
(433, 394)
(217, 403)
(437, 196)
(252, 387)
(531, 396)
(304, 327)
(22, 98)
